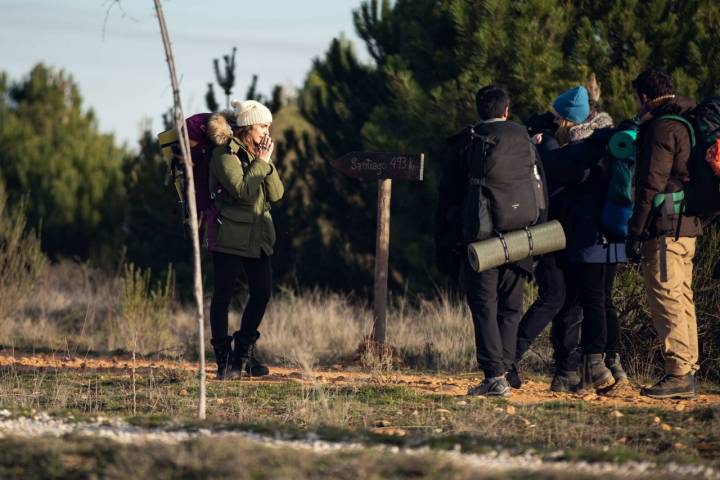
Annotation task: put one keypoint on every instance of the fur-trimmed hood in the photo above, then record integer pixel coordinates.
(584, 130)
(219, 130)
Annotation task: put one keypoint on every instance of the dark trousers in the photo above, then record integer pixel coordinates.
(592, 285)
(495, 299)
(227, 270)
(552, 305)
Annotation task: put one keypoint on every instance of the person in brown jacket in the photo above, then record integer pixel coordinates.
(664, 149)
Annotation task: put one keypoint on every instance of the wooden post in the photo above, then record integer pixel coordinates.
(193, 220)
(382, 253)
(383, 167)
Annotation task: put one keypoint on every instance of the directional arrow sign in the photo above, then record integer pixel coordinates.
(379, 165)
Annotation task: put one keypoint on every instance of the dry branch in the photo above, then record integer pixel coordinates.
(185, 148)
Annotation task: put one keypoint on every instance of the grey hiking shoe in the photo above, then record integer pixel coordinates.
(492, 387)
(513, 377)
(593, 373)
(612, 362)
(565, 382)
(672, 386)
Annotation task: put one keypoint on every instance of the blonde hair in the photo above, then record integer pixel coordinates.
(562, 134)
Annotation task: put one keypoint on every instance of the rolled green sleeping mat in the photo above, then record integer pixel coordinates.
(622, 144)
(516, 245)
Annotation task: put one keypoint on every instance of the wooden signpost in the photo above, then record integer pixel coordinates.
(383, 167)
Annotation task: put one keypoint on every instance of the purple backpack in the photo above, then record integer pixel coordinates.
(200, 152)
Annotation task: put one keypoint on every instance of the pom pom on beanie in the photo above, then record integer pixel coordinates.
(573, 105)
(250, 112)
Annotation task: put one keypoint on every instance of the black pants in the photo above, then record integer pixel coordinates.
(552, 305)
(495, 299)
(592, 285)
(227, 270)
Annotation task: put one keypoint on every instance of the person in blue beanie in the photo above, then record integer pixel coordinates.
(591, 260)
(584, 273)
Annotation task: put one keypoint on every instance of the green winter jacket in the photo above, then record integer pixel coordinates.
(248, 184)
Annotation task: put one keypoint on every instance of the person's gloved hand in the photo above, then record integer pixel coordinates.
(632, 249)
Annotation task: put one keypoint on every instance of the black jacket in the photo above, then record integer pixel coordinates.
(511, 140)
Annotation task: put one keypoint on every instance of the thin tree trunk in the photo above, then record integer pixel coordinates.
(185, 148)
(134, 390)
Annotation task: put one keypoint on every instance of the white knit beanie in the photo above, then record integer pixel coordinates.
(250, 112)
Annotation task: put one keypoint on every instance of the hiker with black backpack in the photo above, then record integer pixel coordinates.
(243, 182)
(497, 176)
(662, 239)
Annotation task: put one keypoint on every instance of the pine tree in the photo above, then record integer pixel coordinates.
(429, 57)
(52, 152)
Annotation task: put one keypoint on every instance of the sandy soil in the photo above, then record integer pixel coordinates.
(452, 385)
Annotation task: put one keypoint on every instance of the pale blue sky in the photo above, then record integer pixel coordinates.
(123, 76)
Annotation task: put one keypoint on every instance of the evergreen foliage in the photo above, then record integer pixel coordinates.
(153, 230)
(431, 56)
(225, 78)
(52, 153)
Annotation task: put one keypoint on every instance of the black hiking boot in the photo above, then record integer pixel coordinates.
(594, 374)
(223, 354)
(245, 359)
(565, 381)
(612, 362)
(672, 386)
(513, 377)
(492, 387)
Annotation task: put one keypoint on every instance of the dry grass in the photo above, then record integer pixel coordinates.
(21, 260)
(75, 308)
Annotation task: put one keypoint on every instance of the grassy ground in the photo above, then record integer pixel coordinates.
(376, 409)
(243, 459)
(414, 400)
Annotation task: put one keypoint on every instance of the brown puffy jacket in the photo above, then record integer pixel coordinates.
(664, 152)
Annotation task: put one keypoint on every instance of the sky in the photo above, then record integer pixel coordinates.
(117, 58)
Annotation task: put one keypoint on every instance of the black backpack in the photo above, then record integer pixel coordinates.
(702, 192)
(505, 191)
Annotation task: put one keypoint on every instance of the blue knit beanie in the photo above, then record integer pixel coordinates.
(573, 105)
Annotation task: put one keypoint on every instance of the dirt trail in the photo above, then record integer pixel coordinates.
(452, 385)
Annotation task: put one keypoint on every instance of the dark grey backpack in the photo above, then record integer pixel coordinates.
(505, 191)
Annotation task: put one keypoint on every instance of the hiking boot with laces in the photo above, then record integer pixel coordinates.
(254, 366)
(565, 381)
(223, 353)
(245, 359)
(672, 386)
(513, 377)
(594, 374)
(492, 387)
(612, 362)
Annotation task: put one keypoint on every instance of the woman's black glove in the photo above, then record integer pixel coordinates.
(632, 249)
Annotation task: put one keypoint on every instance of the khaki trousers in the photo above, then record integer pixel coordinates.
(671, 303)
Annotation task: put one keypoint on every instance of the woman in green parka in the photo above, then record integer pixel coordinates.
(244, 182)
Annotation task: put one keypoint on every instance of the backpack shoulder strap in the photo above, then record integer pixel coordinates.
(685, 122)
(484, 143)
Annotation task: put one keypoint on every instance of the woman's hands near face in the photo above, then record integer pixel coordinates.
(537, 138)
(266, 148)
